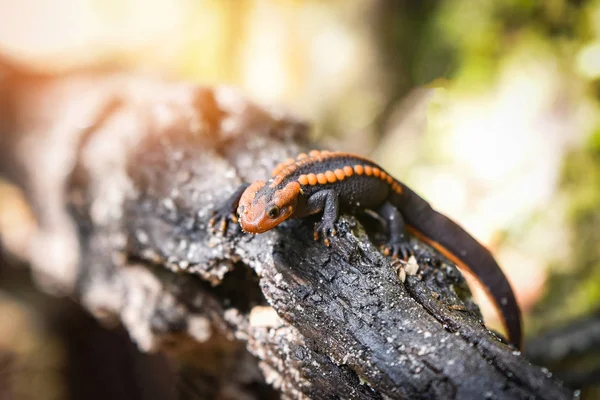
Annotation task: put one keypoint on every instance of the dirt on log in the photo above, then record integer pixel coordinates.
(122, 174)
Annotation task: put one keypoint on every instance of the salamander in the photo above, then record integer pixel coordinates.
(333, 182)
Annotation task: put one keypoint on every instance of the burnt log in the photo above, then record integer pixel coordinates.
(122, 174)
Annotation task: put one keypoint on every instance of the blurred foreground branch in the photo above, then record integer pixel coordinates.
(122, 174)
(572, 351)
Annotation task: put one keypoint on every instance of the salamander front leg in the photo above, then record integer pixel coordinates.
(397, 244)
(326, 201)
(227, 211)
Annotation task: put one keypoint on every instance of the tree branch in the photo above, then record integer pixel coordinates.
(135, 168)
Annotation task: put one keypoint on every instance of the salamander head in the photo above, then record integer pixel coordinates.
(262, 208)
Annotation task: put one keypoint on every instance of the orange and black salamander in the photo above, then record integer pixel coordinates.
(334, 182)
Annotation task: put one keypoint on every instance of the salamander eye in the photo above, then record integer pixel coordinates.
(273, 212)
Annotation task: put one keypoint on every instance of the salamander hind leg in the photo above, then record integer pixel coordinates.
(397, 244)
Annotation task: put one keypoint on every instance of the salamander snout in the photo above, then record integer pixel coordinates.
(262, 208)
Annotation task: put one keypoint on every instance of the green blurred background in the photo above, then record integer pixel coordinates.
(489, 109)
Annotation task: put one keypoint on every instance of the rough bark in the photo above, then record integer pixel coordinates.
(122, 174)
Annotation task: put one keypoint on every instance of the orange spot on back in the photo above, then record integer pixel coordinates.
(396, 188)
(339, 174)
(376, 172)
(301, 156)
(383, 175)
(348, 171)
(314, 153)
(312, 179)
(390, 179)
(321, 179)
(330, 176)
(368, 170)
(277, 170)
(359, 169)
(303, 179)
